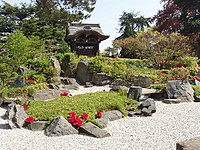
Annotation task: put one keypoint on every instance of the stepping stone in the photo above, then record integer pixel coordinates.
(171, 101)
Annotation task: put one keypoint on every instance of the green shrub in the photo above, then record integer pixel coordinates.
(84, 103)
(95, 65)
(196, 90)
(189, 61)
(25, 91)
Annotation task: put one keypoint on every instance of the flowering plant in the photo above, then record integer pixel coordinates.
(99, 114)
(179, 65)
(26, 107)
(30, 119)
(65, 94)
(30, 81)
(76, 120)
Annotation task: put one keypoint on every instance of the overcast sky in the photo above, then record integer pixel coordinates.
(108, 12)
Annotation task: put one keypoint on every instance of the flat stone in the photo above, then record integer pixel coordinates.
(103, 122)
(133, 113)
(189, 144)
(37, 125)
(171, 101)
(93, 130)
(47, 94)
(112, 115)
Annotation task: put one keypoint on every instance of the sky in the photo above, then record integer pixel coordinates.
(108, 12)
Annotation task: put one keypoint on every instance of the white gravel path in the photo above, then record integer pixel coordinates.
(171, 123)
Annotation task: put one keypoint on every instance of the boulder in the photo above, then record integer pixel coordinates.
(93, 130)
(101, 79)
(135, 92)
(189, 144)
(171, 101)
(47, 94)
(83, 73)
(56, 65)
(119, 84)
(59, 127)
(15, 115)
(147, 107)
(112, 115)
(142, 80)
(180, 89)
(102, 121)
(36, 125)
(70, 83)
(67, 67)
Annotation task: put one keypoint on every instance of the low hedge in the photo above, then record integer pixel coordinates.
(85, 103)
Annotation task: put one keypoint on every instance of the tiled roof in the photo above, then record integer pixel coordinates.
(76, 29)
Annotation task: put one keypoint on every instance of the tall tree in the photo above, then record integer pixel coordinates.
(131, 23)
(47, 19)
(179, 15)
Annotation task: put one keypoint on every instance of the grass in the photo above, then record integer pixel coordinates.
(85, 103)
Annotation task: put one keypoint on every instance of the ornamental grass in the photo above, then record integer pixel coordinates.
(90, 103)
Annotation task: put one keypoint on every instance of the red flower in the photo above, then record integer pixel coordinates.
(99, 114)
(197, 78)
(71, 119)
(85, 116)
(26, 107)
(65, 94)
(199, 65)
(31, 81)
(77, 122)
(72, 113)
(30, 119)
(179, 65)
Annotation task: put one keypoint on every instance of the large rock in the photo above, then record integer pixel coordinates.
(147, 107)
(67, 66)
(37, 125)
(112, 115)
(93, 130)
(59, 127)
(101, 79)
(56, 65)
(171, 101)
(135, 92)
(83, 73)
(180, 89)
(16, 116)
(102, 121)
(189, 144)
(119, 84)
(70, 83)
(47, 94)
(142, 80)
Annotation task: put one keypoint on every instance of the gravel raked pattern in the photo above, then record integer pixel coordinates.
(170, 124)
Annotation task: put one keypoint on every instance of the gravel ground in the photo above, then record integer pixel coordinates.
(171, 123)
